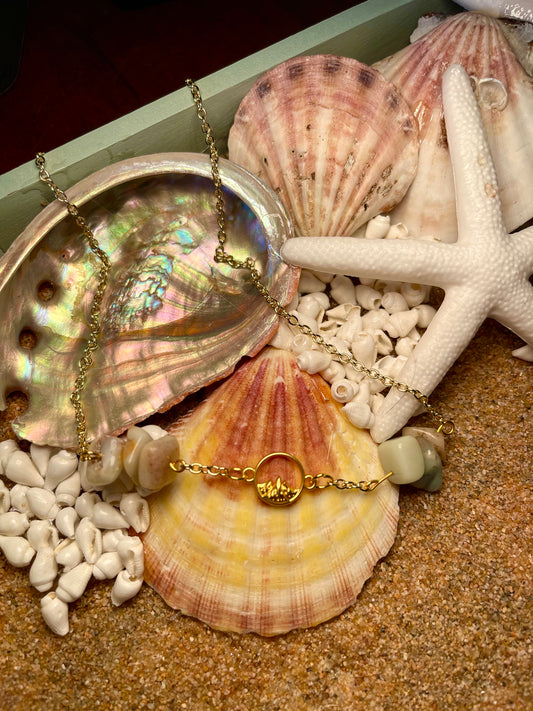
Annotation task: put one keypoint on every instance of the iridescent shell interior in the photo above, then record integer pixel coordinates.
(172, 319)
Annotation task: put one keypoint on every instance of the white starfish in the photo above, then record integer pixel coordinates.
(485, 273)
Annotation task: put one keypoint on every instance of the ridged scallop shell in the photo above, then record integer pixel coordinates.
(172, 320)
(505, 96)
(217, 553)
(334, 139)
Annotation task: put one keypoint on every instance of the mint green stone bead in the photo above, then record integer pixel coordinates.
(403, 456)
(431, 480)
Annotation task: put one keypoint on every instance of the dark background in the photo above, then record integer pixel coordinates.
(69, 67)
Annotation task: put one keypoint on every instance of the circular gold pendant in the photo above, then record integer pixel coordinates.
(279, 492)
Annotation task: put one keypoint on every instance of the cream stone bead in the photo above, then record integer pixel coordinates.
(154, 470)
(106, 470)
(136, 439)
(402, 456)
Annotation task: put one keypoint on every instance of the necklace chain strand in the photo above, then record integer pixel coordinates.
(443, 424)
(86, 360)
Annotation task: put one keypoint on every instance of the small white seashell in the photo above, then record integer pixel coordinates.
(334, 371)
(383, 342)
(5, 498)
(343, 390)
(368, 298)
(136, 512)
(136, 438)
(320, 296)
(309, 306)
(155, 432)
(43, 570)
(425, 312)
(110, 539)
(352, 325)
(324, 277)
(17, 550)
(42, 502)
(19, 499)
(283, 337)
(89, 539)
(66, 521)
(124, 588)
(313, 361)
(108, 566)
(397, 368)
(393, 301)
(131, 552)
(328, 328)
(40, 455)
(68, 554)
(397, 231)
(85, 503)
(375, 319)
(13, 523)
(309, 283)
(41, 534)
(21, 470)
(376, 401)
(339, 344)
(60, 467)
(359, 414)
(106, 470)
(68, 490)
(72, 583)
(377, 227)
(363, 393)
(414, 334)
(401, 322)
(342, 312)
(107, 517)
(364, 348)
(342, 289)
(306, 320)
(414, 294)
(301, 343)
(55, 614)
(7, 447)
(405, 346)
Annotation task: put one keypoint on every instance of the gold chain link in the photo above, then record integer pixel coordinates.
(86, 360)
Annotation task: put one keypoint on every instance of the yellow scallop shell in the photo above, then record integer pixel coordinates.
(217, 553)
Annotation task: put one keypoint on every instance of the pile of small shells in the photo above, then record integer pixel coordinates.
(53, 518)
(377, 322)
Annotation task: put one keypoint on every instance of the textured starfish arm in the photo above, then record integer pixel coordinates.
(433, 263)
(515, 311)
(451, 330)
(479, 214)
(523, 244)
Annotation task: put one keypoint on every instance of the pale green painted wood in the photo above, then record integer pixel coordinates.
(367, 32)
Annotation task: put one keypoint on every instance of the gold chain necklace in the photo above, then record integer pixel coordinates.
(277, 494)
